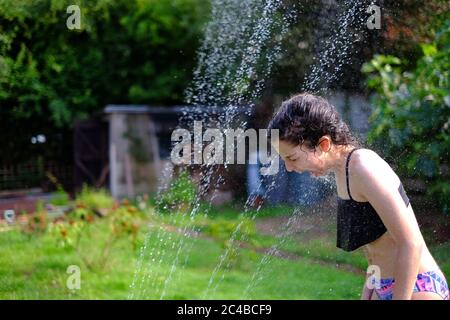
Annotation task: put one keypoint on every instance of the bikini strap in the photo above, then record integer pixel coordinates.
(346, 171)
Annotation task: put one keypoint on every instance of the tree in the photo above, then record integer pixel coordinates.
(411, 119)
(125, 52)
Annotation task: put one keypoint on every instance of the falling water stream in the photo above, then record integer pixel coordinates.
(327, 66)
(241, 43)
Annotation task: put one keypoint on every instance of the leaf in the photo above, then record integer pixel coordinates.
(429, 50)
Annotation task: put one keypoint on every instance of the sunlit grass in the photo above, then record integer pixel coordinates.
(35, 266)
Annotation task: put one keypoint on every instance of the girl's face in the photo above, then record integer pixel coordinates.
(300, 158)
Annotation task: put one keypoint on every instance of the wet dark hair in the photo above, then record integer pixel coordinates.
(305, 118)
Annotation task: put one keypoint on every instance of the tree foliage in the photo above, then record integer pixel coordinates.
(125, 52)
(411, 119)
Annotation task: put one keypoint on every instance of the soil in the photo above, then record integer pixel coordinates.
(310, 223)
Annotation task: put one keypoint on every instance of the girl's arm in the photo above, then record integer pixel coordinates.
(377, 182)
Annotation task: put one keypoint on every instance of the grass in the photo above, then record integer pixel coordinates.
(34, 267)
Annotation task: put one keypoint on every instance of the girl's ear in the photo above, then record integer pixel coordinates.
(325, 144)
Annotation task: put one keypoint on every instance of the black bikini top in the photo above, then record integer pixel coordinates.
(357, 222)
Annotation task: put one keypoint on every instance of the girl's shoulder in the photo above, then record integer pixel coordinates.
(363, 157)
(366, 157)
(366, 162)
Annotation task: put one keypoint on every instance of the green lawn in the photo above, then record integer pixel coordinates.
(34, 266)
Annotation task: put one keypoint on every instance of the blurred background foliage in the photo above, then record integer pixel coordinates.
(125, 52)
(411, 118)
(144, 51)
(405, 24)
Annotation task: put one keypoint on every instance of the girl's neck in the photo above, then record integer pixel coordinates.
(339, 158)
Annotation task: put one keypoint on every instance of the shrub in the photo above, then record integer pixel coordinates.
(180, 196)
(99, 201)
(411, 119)
(35, 224)
(60, 198)
(82, 228)
(127, 51)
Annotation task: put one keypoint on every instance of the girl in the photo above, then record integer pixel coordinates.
(373, 209)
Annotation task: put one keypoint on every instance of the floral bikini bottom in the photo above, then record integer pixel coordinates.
(432, 281)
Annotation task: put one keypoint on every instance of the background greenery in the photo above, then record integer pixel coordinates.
(126, 52)
(143, 51)
(411, 118)
(37, 251)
